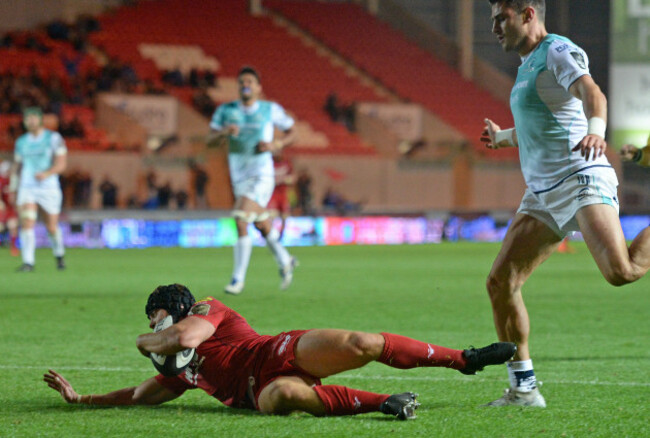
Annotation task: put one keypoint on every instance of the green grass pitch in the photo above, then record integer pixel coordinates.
(589, 340)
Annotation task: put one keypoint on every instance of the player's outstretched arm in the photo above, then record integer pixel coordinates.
(496, 138)
(148, 392)
(594, 102)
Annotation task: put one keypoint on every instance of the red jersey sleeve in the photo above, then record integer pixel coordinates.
(210, 310)
(174, 384)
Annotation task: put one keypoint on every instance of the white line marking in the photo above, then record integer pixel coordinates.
(340, 376)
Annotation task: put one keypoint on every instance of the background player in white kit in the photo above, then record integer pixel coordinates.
(248, 126)
(560, 121)
(39, 157)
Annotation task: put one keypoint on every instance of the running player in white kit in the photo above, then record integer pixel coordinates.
(560, 120)
(248, 126)
(39, 157)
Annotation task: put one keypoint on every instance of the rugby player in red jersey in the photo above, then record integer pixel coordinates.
(284, 178)
(274, 374)
(8, 215)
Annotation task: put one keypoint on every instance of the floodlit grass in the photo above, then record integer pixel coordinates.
(589, 340)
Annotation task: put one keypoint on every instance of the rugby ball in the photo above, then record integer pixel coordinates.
(173, 364)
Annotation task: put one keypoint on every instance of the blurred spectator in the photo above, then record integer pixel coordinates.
(132, 202)
(194, 80)
(340, 112)
(7, 41)
(181, 199)
(203, 102)
(72, 129)
(332, 106)
(210, 78)
(199, 182)
(164, 195)
(71, 64)
(108, 189)
(303, 192)
(350, 116)
(79, 182)
(335, 202)
(152, 190)
(173, 77)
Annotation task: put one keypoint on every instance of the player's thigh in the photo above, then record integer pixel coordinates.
(527, 244)
(324, 352)
(289, 393)
(601, 229)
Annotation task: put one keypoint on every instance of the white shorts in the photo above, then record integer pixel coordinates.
(258, 189)
(49, 199)
(557, 208)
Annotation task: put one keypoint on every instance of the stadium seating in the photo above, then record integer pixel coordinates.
(399, 64)
(293, 74)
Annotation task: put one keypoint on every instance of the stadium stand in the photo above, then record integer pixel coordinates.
(39, 70)
(293, 74)
(411, 72)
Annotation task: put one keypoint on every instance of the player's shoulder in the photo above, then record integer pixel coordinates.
(22, 139)
(206, 306)
(54, 135)
(558, 44)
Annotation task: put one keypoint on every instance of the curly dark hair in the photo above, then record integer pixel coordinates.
(175, 298)
(520, 5)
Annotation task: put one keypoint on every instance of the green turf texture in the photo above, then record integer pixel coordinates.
(589, 340)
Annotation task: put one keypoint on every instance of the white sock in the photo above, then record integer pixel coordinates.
(521, 375)
(281, 255)
(56, 240)
(28, 245)
(242, 255)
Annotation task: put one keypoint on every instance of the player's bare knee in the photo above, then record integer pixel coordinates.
(500, 289)
(283, 398)
(263, 227)
(365, 345)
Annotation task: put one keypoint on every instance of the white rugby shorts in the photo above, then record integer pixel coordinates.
(557, 207)
(258, 189)
(49, 199)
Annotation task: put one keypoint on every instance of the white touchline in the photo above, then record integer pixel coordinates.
(339, 376)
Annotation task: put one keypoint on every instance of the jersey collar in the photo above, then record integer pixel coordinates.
(249, 109)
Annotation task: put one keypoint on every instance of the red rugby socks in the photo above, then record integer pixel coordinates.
(404, 353)
(341, 400)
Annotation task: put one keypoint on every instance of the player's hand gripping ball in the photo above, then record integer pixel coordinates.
(174, 364)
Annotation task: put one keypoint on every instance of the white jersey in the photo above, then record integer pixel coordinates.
(256, 123)
(36, 153)
(549, 120)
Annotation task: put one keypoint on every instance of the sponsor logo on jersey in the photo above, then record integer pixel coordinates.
(200, 309)
(580, 60)
(562, 48)
(284, 344)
